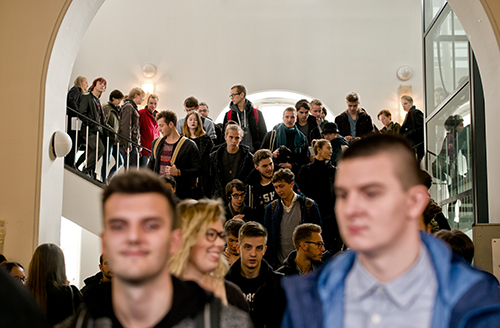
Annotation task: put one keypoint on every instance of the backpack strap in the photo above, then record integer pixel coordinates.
(272, 140)
(273, 204)
(177, 149)
(256, 115)
(309, 203)
(158, 142)
(209, 317)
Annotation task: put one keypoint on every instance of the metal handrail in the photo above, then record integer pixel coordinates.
(88, 120)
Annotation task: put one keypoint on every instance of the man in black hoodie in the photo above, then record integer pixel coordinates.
(92, 283)
(259, 283)
(249, 118)
(306, 123)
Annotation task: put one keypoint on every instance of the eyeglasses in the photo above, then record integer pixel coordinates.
(237, 196)
(20, 279)
(212, 234)
(233, 95)
(320, 244)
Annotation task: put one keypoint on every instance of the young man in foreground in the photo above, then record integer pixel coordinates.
(393, 275)
(140, 234)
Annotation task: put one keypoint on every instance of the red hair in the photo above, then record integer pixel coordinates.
(94, 83)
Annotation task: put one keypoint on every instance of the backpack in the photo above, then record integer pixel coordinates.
(255, 114)
(309, 204)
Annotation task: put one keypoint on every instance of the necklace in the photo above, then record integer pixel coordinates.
(231, 163)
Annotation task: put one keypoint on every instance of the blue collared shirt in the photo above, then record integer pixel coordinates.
(407, 301)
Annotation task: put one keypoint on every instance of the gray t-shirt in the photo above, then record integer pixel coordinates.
(305, 130)
(288, 223)
(247, 136)
(352, 124)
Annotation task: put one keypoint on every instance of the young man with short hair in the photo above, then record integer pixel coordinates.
(204, 110)
(236, 208)
(306, 123)
(190, 104)
(112, 112)
(284, 214)
(140, 234)
(96, 285)
(148, 127)
(308, 252)
(287, 135)
(232, 251)
(412, 128)
(385, 117)
(228, 162)
(176, 156)
(259, 283)
(354, 122)
(260, 190)
(249, 118)
(317, 111)
(90, 106)
(129, 127)
(393, 275)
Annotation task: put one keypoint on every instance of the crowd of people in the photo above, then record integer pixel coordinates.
(206, 235)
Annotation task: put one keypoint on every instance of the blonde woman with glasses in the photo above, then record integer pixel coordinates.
(199, 258)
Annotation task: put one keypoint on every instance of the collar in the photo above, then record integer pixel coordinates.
(289, 208)
(403, 290)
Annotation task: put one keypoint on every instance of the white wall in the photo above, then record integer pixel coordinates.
(319, 47)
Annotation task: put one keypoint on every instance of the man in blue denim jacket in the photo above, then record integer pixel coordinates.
(393, 275)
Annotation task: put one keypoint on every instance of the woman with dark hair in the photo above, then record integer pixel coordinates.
(192, 128)
(47, 282)
(316, 182)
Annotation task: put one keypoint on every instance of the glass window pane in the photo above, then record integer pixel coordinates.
(447, 59)
(431, 7)
(449, 148)
(459, 213)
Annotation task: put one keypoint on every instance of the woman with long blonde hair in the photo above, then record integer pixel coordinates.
(199, 258)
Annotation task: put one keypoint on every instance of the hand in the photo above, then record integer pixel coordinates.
(348, 138)
(286, 165)
(276, 153)
(311, 158)
(174, 171)
(238, 216)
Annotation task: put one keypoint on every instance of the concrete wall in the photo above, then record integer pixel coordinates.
(322, 48)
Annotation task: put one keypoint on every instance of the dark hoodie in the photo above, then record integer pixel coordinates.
(254, 132)
(264, 294)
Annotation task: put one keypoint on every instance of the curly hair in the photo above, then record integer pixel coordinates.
(196, 216)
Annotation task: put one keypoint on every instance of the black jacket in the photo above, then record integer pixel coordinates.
(258, 131)
(316, 181)
(269, 299)
(88, 107)
(364, 124)
(215, 179)
(205, 145)
(188, 161)
(313, 130)
(250, 214)
(413, 130)
(289, 266)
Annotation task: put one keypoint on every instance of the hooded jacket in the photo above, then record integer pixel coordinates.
(466, 297)
(364, 123)
(257, 130)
